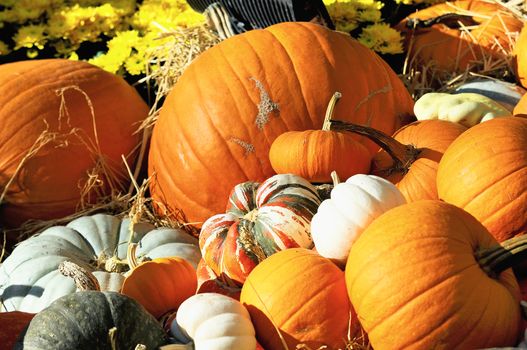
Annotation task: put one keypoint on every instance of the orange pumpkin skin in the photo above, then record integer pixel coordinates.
(12, 324)
(161, 285)
(314, 154)
(49, 183)
(521, 107)
(415, 284)
(433, 138)
(520, 58)
(452, 49)
(209, 282)
(220, 119)
(304, 294)
(484, 171)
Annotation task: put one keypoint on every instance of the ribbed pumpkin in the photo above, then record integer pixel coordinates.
(415, 281)
(303, 296)
(161, 285)
(484, 172)
(30, 279)
(260, 220)
(439, 41)
(62, 120)
(410, 158)
(314, 154)
(92, 320)
(220, 119)
(520, 57)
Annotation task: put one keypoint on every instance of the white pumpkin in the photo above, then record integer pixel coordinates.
(214, 322)
(467, 109)
(353, 205)
(30, 279)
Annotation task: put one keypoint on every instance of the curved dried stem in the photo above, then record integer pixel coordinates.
(84, 279)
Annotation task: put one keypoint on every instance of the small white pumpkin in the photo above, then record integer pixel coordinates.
(214, 322)
(467, 109)
(353, 205)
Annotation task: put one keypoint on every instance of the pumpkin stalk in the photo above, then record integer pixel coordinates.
(131, 257)
(326, 126)
(507, 254)
(84, 279)
(451, 20)
(403, 155)
(335, 178)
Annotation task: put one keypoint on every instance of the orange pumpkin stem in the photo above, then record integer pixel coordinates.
(403, 155)
(329, 111)
(507, 254)
(84, 279)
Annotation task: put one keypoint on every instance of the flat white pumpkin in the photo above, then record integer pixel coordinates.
(353, 205)
(214, 322)
(467, 109)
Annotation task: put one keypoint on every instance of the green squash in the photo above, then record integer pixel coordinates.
(92, 320)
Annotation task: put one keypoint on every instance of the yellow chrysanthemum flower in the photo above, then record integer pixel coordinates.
(30, 36)
(4, 48)
(381, 38)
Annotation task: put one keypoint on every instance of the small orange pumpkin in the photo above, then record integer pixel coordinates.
(484, 172)
(161, 285)
(423, 276)
(410, 158)
(303, 296)
(314, 154)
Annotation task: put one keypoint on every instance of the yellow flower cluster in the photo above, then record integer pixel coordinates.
(133, 26)
(349, 15)
(130, 50)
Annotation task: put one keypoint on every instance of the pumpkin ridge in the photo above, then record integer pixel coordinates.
(456, 313)
(297, 77)
(329, 284)
(245, 91)
(421, 294)
(504, 177)
(214, 129)
(503, 208)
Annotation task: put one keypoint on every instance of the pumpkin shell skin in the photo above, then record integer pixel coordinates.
(161, 285)
(353, 205)
(433, 137)
(240, 92)
(453, 50)
(305, 296)
(314, 154)
(47, 187)
(521, 107)
(12, 324)
(261, 219)
(82, 321)
(214, 322)
(209, 282)
(483, 172)
(29, 277)
(415, 265)
(520, 58)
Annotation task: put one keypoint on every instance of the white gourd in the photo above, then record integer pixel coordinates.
(353, 205)
(214, 322)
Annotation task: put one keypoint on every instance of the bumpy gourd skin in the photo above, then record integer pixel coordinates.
(83, 321)
(467, 109)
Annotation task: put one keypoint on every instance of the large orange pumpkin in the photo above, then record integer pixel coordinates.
(520, 57)
(454, 36)
(417, 278)
(484, 171)
(82, 117)
(410, 158)
(303, 296)
(217, 124)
